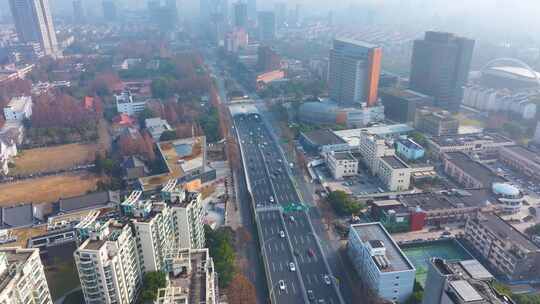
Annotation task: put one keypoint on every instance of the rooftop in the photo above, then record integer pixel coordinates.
(181, 157)
(376, 232)
(89, 201)
(507, 232)
(476, 170)
(323, 137)
(469, 281)
(343, 156)
(407, 94)
(16, 216)
(352, 136)
(357, 42)
(515, 71)
(409, 143)
(462, 139)
(524, 152)
(17, 104)
(15, 257)
(433, 201)
(394, 162)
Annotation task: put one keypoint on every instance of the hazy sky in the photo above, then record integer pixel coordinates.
(501, 17)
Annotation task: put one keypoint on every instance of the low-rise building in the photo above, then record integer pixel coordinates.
(469, 143)
(185, 160)
(380, 262)
(507, 250)
(435, 121)
(322, 141)
(400, 104)
(462, 282)
(191, 278)
(126, 103)
(342, 164)
(415, 211)
(156, 126)
(18, 108)
(409, 149)
(394, 173)
(22, 277)
(522, 160)
(468, 172)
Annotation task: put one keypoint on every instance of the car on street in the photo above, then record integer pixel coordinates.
(310, 295)
(271, 199)
(310, 252)
(326, 279)
(282, 233)
(292, 218)
(282, 285)
(292, 267)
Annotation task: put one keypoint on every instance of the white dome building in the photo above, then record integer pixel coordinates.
(508, 195)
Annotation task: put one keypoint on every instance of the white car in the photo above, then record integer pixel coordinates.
(282, 233)
(326, 279)
(271, 199)
(292, 267)
(282, 285)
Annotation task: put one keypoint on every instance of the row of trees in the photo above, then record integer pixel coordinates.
(220, 244)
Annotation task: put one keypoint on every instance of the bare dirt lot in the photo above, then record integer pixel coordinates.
(55, 158)
(47, 189)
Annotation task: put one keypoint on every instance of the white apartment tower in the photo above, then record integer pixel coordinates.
(33, 21)
(22, 277)
(108, 264)
(188, 220)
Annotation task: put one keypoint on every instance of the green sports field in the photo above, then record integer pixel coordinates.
(420, 253)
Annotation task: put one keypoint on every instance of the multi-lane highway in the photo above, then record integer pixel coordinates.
(286, 234)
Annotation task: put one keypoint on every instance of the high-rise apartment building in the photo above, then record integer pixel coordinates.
(280, 9)
(440, 66)
(188, 216)
(33, 21)
(22, 277)
(252, 9)
(109, 264)
(78, 11)
(240, 15)
(267, 26)
(191, 278)
(109, 10)
(353, 72)
(462, 282)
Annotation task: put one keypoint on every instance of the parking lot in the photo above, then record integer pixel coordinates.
(359, 185)
(527, 185)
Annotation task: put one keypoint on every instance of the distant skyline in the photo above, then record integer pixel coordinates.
(502, 19)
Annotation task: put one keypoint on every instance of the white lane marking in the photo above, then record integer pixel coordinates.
(269, 248)
(293, 288)
(273, 267)
(302, 258)
(282, 247)
(316, 278)
(295, 240)
(308, 279)
(280, 267)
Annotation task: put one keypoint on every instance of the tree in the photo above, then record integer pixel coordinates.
(220, 244)
(419, 138)
(533, 230)
(241, 290)
(168, 135)
(343, 204)
(152, 282)
(417, 295)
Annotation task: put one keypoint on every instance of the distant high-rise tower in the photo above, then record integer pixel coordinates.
(78, 11)
(109, 10)
(280, 9)
(240, 15)
(353, 72)
(440, 66)
(252, 9)
(267, 26)
(33, 21)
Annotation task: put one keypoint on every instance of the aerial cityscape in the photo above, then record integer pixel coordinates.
(269, 152)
